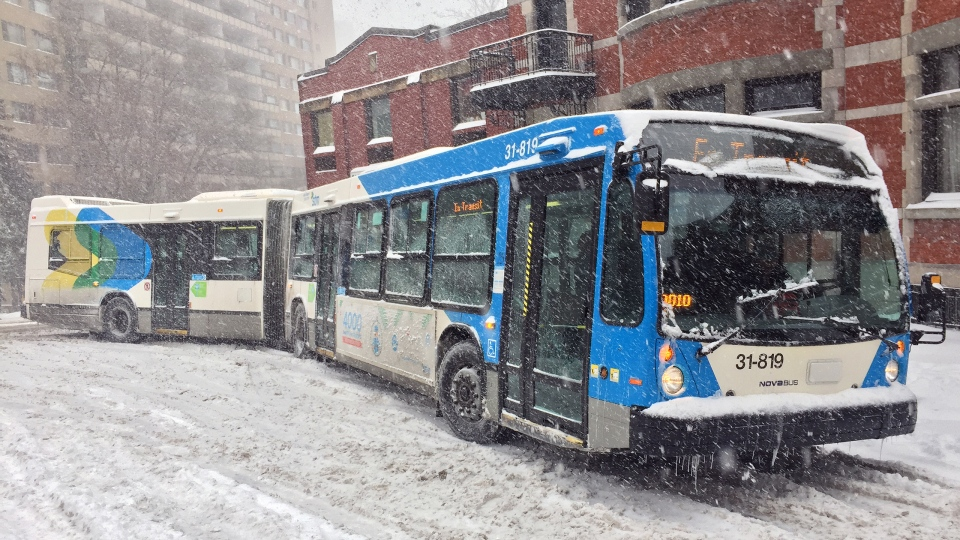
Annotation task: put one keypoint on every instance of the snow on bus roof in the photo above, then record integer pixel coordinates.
(633, 123)
(63, 201)
(246, 194)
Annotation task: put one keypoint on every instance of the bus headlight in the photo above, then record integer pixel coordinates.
(672, 380)
(892, 371)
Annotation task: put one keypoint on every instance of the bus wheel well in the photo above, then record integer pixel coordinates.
(110, 296)
(450, 337)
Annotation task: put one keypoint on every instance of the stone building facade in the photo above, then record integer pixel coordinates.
(888, 68)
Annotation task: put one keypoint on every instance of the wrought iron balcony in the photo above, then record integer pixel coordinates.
(545, 66)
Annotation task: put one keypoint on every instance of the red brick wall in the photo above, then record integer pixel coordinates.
(608, 70)
(935, 241)
(439, 114)
(931, 12)
(874, 84)
(720, 34)
(597, 17)
(885, 141)
(516, 21)
(407, 121)
(871, 20)
(397, 56)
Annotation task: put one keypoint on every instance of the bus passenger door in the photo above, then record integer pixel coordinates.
(328, 253)
(173, 246)
(552, 274)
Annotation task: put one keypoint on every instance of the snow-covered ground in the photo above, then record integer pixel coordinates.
(167, 440)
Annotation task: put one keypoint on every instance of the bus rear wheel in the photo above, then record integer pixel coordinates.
(120, 321)
(463, 394)
(301, 349)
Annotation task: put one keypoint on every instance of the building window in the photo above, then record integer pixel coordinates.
(378, 119)
(28, 152)
(46, 80)
(321, 124)
(24, 113)
(58, 155)
(45, 43)
(17, 73)
(941, 127)
(41, 6)
(14, 33)
(464, 110)
(710, 99)
(635, 8)
(793, 92)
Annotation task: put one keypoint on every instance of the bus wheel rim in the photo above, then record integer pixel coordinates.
(465, 394)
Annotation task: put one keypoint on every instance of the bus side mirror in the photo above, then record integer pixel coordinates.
(931, 311)
(652, 194)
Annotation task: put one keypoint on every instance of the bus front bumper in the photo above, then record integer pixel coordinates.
(703, 425)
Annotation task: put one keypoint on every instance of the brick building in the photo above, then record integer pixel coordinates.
(889, 68)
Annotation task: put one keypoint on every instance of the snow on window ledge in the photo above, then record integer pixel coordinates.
(780, 113)
(469, 125)
(325, 150)
(380, 140)
(935, 206)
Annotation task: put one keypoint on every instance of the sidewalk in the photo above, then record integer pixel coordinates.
(11, 322)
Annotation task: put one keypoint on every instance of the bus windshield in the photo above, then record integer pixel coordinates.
(778, 260)
(723, 147)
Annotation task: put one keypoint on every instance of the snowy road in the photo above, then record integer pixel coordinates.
(172, 440)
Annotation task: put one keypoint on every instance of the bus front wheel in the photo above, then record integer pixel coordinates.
(120, 321)
(301, 348)
(463, 394)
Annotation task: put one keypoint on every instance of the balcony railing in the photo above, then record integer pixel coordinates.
(540, 54)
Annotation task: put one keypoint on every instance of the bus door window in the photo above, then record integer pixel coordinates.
(328, 264)
(566, 287)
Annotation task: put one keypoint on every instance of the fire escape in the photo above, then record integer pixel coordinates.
(550, 67)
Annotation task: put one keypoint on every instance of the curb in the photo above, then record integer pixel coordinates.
(18, 327)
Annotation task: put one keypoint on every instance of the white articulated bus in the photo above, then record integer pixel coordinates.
(208, 267)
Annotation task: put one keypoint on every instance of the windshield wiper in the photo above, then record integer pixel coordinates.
(851, 327)
(712, 346)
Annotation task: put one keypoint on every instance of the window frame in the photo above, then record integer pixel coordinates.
(8, 26)
(752, 85)
(214, 273)
(480, 309)
(371, 121)
(352, 211)
(425, 256)
(706, 91)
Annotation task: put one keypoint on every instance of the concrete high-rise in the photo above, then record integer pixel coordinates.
(267, 44)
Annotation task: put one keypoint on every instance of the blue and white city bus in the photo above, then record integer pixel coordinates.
(668, 283)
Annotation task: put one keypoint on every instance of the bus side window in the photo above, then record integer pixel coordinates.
(463, 249)
(366, 251)
(69, 250)
(406, 264)
(301, 267)
(621, 296)
(56, 257)
(237, 252)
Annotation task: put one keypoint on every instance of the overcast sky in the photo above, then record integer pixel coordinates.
(354, 17)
